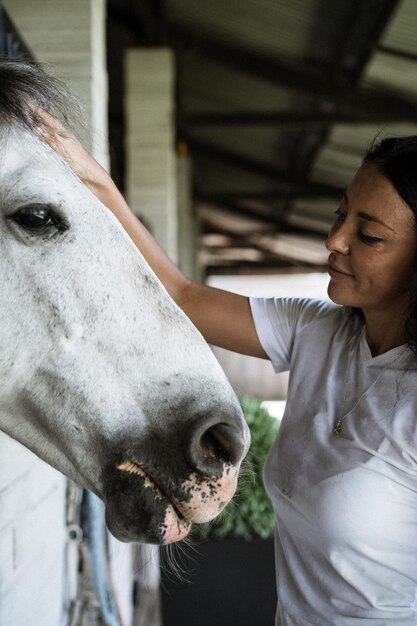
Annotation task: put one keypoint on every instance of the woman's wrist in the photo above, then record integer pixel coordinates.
(107, 192)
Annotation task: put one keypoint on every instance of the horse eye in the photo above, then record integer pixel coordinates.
(36, 218)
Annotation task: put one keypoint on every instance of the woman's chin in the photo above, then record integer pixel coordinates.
(338, 295)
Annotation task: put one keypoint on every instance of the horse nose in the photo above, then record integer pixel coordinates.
(212, 443)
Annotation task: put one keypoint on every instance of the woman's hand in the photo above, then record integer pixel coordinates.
(92, 174)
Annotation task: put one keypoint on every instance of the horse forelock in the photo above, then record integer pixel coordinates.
(24, 87)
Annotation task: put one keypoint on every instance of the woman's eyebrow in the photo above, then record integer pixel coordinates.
(371, 218)
(368, 217)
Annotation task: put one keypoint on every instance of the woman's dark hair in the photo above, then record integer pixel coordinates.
(396, 159)
(25, 86)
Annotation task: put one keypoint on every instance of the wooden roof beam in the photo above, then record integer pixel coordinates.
(288, 184)
(290, 119)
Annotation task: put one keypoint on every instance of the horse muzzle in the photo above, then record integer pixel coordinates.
(155, 494)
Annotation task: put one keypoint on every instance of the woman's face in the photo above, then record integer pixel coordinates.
(373, 246)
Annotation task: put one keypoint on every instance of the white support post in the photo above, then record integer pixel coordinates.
(151, 159)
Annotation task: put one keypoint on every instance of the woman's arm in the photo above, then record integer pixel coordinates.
(222, 317)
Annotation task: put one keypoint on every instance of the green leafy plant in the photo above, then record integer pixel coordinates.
(250, 513)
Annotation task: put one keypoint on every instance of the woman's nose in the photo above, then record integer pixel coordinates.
(338, 239)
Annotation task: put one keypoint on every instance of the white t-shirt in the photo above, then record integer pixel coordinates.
(345, 505)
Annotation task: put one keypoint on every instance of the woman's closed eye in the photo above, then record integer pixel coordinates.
(369, 238)
(363, 235)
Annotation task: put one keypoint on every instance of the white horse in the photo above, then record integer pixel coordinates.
(102, 375)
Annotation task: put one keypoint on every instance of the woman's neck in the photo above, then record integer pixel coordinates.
(384, 332)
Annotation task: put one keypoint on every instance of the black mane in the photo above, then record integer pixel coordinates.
(24, 86)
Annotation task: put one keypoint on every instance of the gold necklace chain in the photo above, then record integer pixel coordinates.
(337, 428)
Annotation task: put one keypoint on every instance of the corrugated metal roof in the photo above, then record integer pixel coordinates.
(264, 143)
(210, 85)
(264, 27)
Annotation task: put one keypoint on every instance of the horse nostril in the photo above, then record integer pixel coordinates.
(211, 446)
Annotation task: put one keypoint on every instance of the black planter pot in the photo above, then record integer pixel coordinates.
(230, 583)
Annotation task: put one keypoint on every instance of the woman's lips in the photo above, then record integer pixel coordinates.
(337, 273)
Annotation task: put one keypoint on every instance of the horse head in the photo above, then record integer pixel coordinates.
(102, 376)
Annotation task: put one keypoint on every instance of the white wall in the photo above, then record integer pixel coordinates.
(32, 538)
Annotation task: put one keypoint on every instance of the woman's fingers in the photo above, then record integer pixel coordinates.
(50, 128)
(81, 162)
(52, 132)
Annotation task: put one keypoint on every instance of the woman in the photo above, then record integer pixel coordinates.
(342, 474)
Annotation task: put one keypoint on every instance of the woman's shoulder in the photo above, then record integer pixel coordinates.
(285, 325)
(303, 310)
(325, 313)
(315, 307)
(289, 320)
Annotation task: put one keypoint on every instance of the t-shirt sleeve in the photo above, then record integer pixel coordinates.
(279, 320)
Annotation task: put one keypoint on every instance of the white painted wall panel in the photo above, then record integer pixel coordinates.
(69, 39)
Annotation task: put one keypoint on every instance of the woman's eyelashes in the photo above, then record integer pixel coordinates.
(363, 236)
(369, 238)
